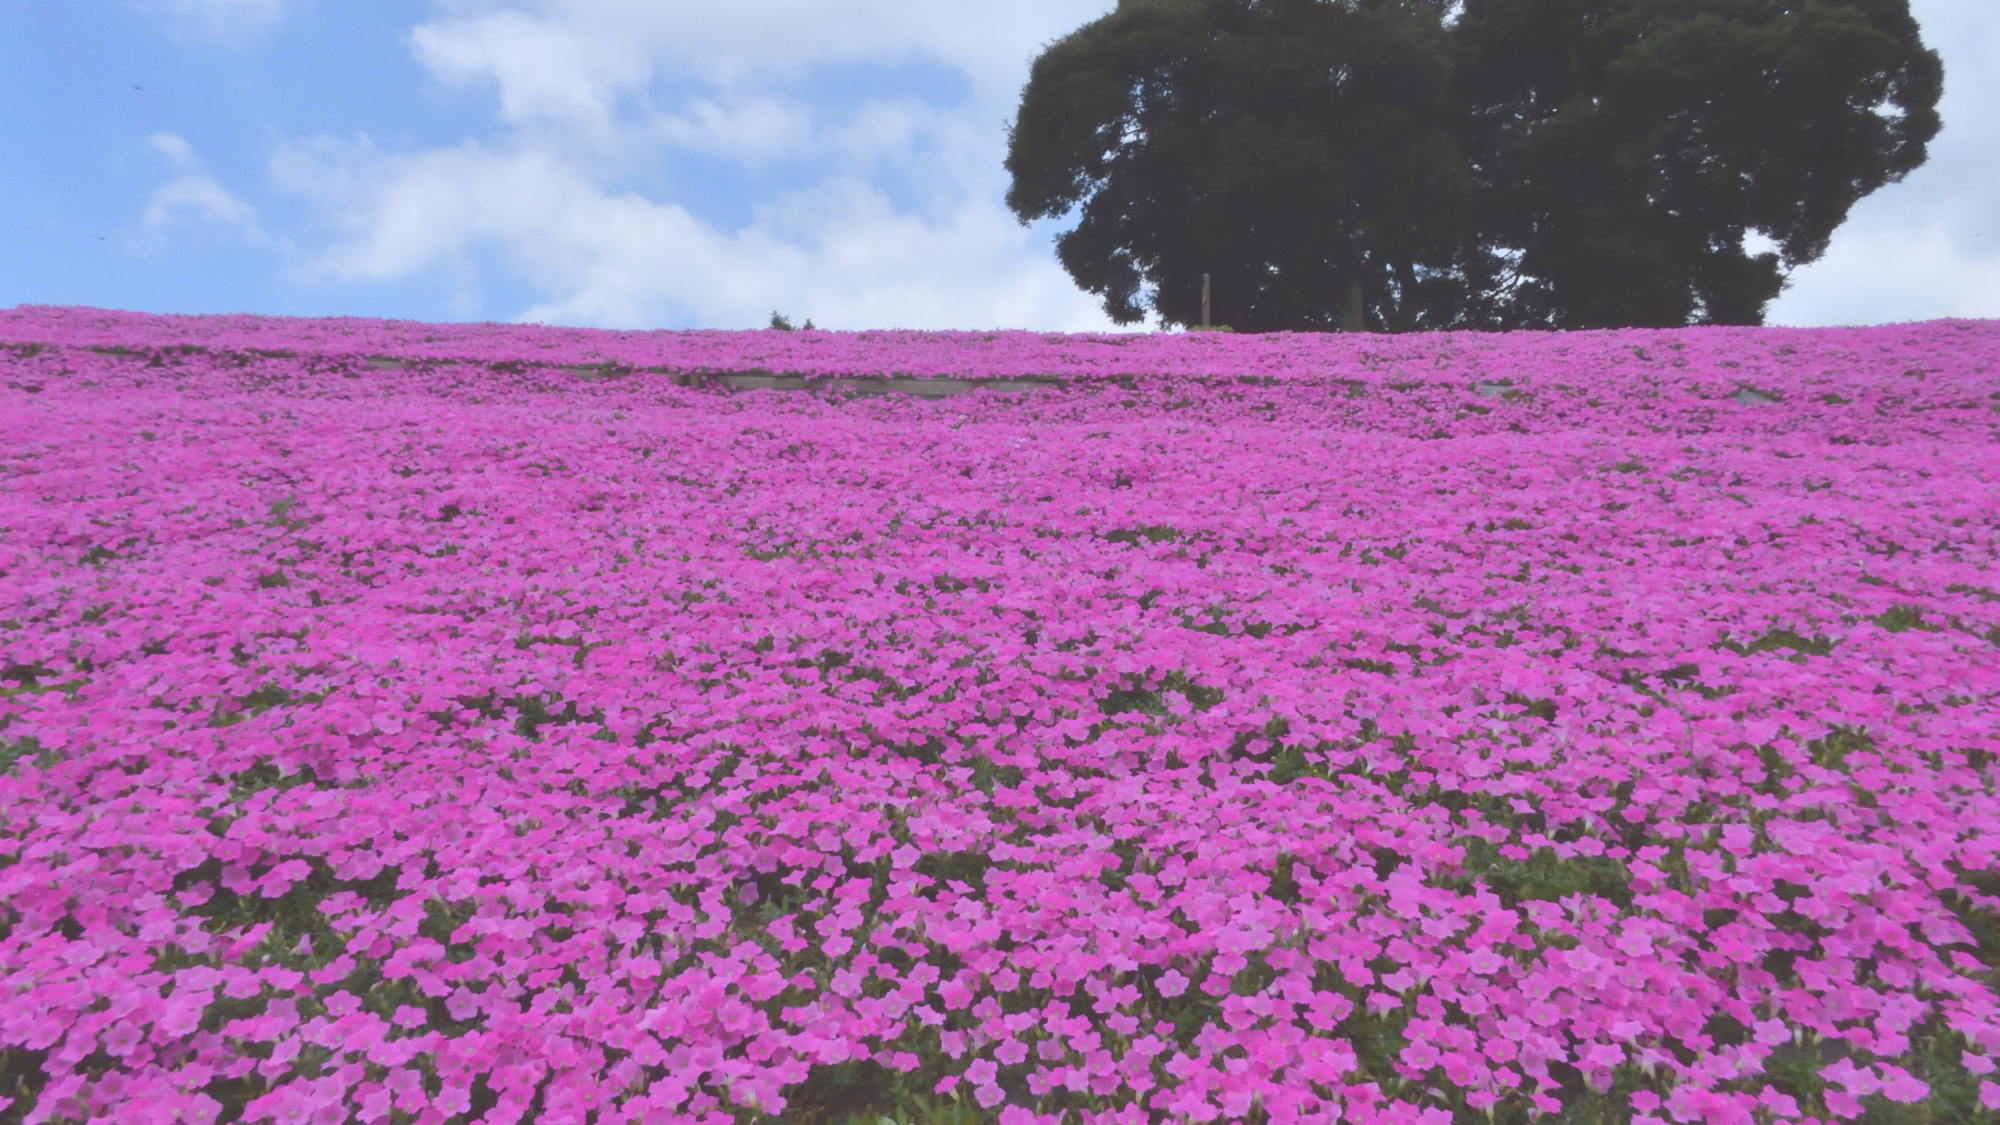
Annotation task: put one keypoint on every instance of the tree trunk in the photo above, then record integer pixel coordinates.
(1354, 308)
(1406, 302)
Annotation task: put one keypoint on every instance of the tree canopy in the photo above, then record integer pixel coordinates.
(1410, 164)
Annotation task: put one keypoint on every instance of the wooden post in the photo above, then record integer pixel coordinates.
(1204, 301)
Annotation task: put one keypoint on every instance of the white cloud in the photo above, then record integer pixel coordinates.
(193, 198)
(1930, 246)
(837, 252)
(752, 130)
(232, 23)
(1889, 269)
(587, 90)
(747, 42)
(544, 70)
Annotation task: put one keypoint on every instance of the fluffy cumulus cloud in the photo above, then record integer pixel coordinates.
(838, 249)
(1930, 246)
(592, 99)
(194, 199)
(233, 23)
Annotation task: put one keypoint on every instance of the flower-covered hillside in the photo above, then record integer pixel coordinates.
(1275, 729)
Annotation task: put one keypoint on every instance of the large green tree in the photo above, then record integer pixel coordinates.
(1403, 164)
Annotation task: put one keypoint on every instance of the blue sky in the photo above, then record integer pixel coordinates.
(660, 163)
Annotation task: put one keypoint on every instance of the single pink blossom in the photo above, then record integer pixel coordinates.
(1900, 1086)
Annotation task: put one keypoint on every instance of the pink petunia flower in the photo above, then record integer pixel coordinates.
(1900, 1085)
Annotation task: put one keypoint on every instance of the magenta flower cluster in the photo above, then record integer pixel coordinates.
(1292, 729)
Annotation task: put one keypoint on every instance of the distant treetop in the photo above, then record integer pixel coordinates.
(1410, 164)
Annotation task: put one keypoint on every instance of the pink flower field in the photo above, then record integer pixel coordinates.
(429, 724)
